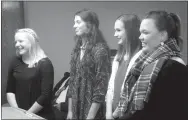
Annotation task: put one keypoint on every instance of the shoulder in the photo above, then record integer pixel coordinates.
(115, 65)
(45, 62)
(173, 64)
(171, 79)
(115, 62)
(137, 54)
(115, 59)
(100, 48)
(178, 59)
(173, 68)
(172, 75)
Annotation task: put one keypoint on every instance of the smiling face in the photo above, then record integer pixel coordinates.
(150, 36)
(22, 43)
(80, 26)
(120, 32)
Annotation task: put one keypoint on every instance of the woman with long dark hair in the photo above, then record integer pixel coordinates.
(127, 32)
(90, 68)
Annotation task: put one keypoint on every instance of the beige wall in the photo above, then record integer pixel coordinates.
(53, 22)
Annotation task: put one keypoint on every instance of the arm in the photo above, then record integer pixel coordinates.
(69, 115)
(93, 110)
(110, 92)
(70, 105)
(35, 108)
(47, 79)
(102, 69)
(11, 86)
(69, 96)
(12, 100)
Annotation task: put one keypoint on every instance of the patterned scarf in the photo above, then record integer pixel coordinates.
(142, 75)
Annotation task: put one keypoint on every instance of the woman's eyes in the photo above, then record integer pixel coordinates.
(144, 32)
(18, 41)
(78, 22)
(117, 30)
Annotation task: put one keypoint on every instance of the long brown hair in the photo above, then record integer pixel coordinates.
(94, 36)
(132, 43)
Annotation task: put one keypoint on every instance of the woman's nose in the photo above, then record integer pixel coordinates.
(74, 26)
(16, 44)
(140, 37)
(115, 34)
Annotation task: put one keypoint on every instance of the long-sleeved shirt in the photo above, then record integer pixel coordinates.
(31, 84)
(88, 84)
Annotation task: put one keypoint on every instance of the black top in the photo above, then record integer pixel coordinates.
(31, 84)
(168, 99)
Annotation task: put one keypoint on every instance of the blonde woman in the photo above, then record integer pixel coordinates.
(30, 75)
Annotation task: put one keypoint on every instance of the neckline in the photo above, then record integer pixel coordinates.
(27, 63)
(83, 47)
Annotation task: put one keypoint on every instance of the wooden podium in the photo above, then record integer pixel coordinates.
(17, 113)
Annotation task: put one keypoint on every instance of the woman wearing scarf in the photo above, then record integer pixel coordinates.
(154, 88)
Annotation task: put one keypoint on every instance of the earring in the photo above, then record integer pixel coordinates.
(162, 43)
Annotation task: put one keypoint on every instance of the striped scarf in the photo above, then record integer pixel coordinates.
(142, 75)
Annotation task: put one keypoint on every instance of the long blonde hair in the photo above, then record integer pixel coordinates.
(35, 50)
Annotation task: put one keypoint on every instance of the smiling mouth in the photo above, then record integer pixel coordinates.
(143, 44)
(120, 40)
(19, 49)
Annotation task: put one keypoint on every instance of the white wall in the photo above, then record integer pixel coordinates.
(53, 22)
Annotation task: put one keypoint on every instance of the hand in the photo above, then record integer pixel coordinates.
(15, 106)
(109, 117)
(58, 106)
(28, 113)
(69, 115)
(89, 118)
(115, 113)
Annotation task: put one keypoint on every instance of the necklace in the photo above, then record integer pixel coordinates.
(83, 47)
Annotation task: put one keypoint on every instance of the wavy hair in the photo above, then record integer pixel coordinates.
(35, 50)
(93, 37)
(132, 43)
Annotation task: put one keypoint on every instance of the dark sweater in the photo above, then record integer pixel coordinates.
(31, 84)
(168, 99)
